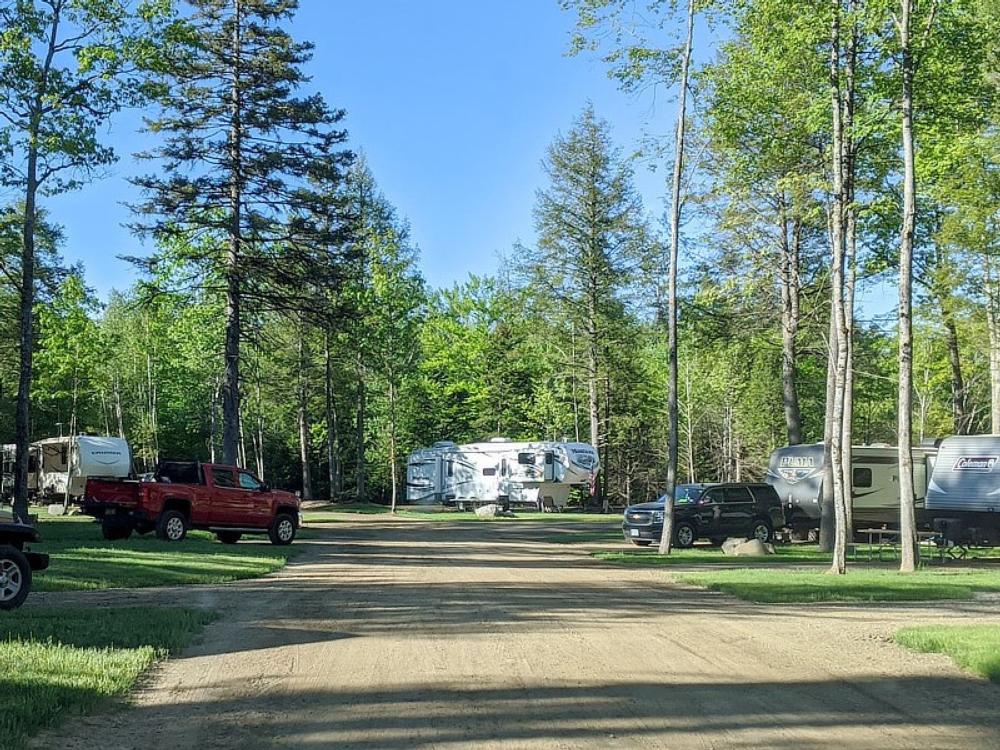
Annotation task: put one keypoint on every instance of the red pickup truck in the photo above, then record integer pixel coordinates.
(192, 495)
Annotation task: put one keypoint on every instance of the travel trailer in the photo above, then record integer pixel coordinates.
(527, 474)
(58, 468)
(963, 495)
(796, 473)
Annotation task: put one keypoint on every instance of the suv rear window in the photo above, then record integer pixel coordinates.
(737, 495)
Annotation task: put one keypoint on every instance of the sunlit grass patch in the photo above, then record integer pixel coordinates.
(973, 647)
(796, 586)
(56, 664)
(82, 559)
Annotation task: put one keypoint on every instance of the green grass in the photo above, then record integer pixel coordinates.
(791, 586)
(82, 559)
(59, 663)
(973, 647)
(334, 513)
(797, 553)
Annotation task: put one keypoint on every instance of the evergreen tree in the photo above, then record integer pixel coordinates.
(250, 168)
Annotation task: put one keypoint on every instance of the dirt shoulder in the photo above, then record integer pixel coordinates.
(426, 635)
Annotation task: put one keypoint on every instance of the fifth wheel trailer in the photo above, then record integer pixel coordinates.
(796, 473)
(528, 474)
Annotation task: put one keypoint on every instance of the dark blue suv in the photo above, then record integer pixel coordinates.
(708, 511)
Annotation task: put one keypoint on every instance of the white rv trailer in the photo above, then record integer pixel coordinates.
(533, 474)
(58, 468)
(963, 496)
(796, 473)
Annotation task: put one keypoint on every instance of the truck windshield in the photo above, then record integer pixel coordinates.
(687, 494)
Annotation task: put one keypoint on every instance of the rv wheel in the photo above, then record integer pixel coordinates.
(15, 578)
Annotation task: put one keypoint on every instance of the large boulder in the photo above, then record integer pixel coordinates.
(746, 548)
(489, 511)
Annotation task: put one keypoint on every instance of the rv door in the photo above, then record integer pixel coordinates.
(550, 466)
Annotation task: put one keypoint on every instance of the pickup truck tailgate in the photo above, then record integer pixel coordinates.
(120, 492)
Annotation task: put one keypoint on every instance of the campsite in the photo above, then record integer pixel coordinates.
(534, 374)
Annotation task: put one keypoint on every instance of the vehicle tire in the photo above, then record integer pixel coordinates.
(717, 541)
(762, 530)
(114, 529)
(642, 542)
(15, 577)
(282, 531)
(684, 535)
(171, 526)
(228, 537)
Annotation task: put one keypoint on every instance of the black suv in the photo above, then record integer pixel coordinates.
(713, 511)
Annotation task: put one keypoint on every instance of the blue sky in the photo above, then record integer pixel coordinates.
(452, 101)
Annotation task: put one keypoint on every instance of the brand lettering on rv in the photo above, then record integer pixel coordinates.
(798, 462)
(975, 463)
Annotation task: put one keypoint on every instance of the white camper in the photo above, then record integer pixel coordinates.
(528, 474)
(58, 468)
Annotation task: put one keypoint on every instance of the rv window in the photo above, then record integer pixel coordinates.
(862, 478)
(451, 469)
(223, 478)
(489, 472)
(526, 458)
(32, 463)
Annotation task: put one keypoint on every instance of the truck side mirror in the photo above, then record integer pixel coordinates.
(263, 487)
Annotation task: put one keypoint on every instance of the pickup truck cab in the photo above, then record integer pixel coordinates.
(187, 495)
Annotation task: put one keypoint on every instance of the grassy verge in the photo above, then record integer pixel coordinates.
(82, 559)
(973, 647)
(336, 512)
(787, 586)
(798, 553)
(60, 663)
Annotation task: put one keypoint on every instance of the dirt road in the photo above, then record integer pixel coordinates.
(443, 635)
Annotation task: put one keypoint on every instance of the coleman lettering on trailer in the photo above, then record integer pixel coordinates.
(983, 464)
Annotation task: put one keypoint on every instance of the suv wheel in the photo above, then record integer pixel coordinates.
(762, 531)
(15, 578)
(684, 535)
(282, 531)
(172, 526)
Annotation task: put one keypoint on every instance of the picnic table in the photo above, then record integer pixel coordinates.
(881, 541)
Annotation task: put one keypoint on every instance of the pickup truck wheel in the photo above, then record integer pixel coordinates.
(15, 577)
(228, 537)
(282, 531)
(172, 526)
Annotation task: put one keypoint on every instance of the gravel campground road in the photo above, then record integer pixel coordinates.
(411, 634)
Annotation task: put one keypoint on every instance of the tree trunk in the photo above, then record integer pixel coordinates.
(907, 512)
(666, 538)
(231, 380)
(332, 437)
(993, 328)
(790, 297)
(593, 404)
(22, 419)
(304, 447)
(392, 443)
(960, 419)
(360, 488)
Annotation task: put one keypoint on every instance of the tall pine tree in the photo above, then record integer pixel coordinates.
(249, 163)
